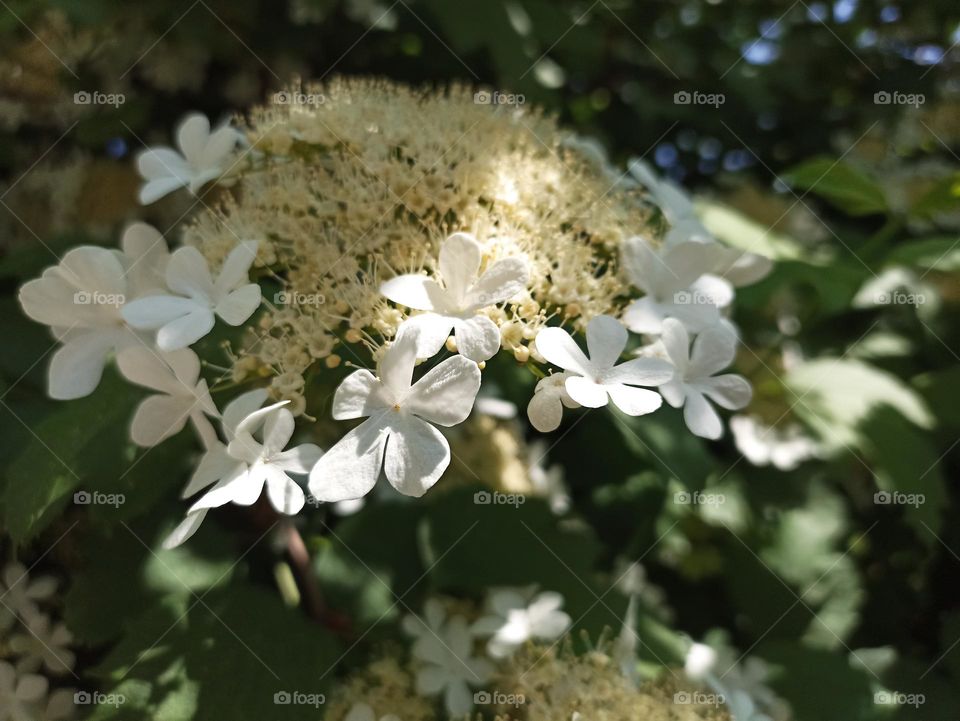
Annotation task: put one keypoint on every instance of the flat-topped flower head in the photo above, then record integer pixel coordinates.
(184, 318)
(183, 394)
(695, 380)
(397, 435)
(81, 299)
(598, 379)
(203, 157)
(454, 300)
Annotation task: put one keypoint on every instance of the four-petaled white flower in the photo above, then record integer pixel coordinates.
(668, 278)
(183, 319)
(81, 300)
(202, 158)
(44, 644)
(516, 618)
(444, 647)
(20, 594)
(455, 304)
(183, 394)
(397, 434)
(239, 468)
(545, 409)
(695, 382)
(20, 693)
(597, 379)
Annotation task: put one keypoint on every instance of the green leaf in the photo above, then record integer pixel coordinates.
(66, 448)
(942, 254)
(839, 183)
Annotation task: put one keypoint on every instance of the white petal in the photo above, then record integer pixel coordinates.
(446, 393)
(243, 489)
(415, 291)
(634, 401)
(478, 338)
(396, 366)
(157, 418)
(94, 269)
(644, 315)
(161, 164)
(277, 431)
(357, 396)
(459, 264)
(727, 391)
(284, 494)
(431, 680)
(586, 392)
(676, 341)
(219, 145)
(155, 311)
(694, 315)
(719, 290)
(215, 465)
(557, 347)
(500, 282)
(31, 687)
(689, 260)
(185, 530)
(351, 467)
(640, 372)
(239, 305)
(458, 699)
(241, 407)
(299, 459)
(152, 191)
(76, 367)
(701, 418)
(235, 270)
(639, 259)
(147, 256)
(193, 132)
(185, 331)
(713, 350)
(146, 367)
(189, 274)
(545, 411)
(606, 339)
(417, 455)
(673, 392)
(431, 331)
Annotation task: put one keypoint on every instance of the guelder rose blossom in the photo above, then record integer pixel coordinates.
(550, 396)
(667, 276)
(595, 380)
(515, 618)
(183, 319)
(203, 157)
(455, 304)
(695, 380)
(81, 299)
(238, 469)
(397, 434)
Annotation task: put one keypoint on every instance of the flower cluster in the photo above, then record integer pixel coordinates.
(32, 647)
(407, 226)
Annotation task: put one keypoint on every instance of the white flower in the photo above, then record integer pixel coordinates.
(667, 277)
(396, 434)
(515, 618)
(20, 693)
(545, 409)
(183, 394)
(597, 379)
(455, 305)
(764, 445)
(19, 595)
(239, 469)
(694, 381)
(445, 648)
(81, 300)
(364, 712)
(203, 156)
(186, 317)
(44, 644)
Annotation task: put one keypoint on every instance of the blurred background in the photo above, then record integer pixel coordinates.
(824, 135)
